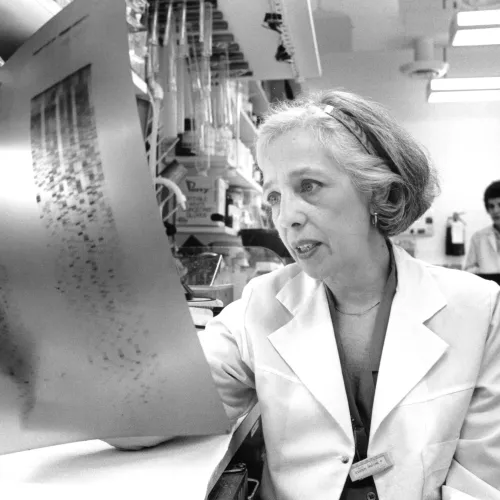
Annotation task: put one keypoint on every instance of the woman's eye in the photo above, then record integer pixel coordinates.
(273, 198)
(309, 186)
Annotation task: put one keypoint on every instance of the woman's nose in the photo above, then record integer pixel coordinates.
(291, 212)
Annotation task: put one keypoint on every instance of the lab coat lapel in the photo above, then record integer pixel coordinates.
(411, 349)
(307, 344)
(492, 239)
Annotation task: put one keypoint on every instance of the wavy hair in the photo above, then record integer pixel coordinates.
(379, 156)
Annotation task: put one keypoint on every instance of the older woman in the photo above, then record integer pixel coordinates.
(377, 375)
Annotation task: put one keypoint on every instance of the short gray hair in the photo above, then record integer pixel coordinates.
(397, 172)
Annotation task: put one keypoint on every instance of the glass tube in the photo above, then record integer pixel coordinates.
(183, 36)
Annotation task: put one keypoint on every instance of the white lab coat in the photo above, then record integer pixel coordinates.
(437, 402)
(483, 256)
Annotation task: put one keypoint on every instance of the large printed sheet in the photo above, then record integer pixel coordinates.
(96, 339)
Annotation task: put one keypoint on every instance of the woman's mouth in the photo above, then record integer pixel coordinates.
(306, 249)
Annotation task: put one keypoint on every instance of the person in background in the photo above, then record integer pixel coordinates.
(376, 374)
(483, 256)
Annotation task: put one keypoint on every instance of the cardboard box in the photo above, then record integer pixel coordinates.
(206, 198)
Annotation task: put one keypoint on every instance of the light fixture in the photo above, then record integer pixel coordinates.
(475, 89)
(425, 66)
(475, 27)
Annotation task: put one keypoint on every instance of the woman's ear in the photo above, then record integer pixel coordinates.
(379, 197)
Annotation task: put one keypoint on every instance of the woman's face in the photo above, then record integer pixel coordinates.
(493, 207)
(320, 216)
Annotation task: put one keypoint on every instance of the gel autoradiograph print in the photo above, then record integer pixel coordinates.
(71, 197)
(96, 339)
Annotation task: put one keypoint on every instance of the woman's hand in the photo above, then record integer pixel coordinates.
(137, 443)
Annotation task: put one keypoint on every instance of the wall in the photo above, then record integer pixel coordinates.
(466, 151)
(462, 139)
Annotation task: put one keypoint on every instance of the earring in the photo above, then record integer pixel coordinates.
(374, 217)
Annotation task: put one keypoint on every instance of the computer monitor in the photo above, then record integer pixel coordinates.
(267, 238)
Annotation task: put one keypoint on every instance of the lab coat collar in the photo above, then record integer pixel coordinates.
(492, 238)
(411, 349)
(307, 342)
(298, 291)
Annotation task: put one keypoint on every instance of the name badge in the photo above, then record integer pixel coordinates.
(370, 466)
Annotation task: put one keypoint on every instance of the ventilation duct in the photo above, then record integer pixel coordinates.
(425, 66)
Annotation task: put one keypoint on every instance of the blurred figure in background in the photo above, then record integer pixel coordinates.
(484, 249)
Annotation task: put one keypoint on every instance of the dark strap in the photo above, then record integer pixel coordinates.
(359, 431)
(361, 416)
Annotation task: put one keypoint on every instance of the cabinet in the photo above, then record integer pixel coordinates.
(252, 55)
(22, 18)
(259, 44)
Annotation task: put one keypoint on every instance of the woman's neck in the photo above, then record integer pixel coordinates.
(362, 282)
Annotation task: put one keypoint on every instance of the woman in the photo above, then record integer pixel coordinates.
(311, 342)
(484, 251)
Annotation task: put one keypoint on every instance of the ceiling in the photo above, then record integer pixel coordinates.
(364, 43)
(240, 20)
(342, 26)
(19, 19)
(384, 25)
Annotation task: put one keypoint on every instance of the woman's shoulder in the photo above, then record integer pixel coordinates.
(259, 307)
(482, 233)
(456, 277)
(274, 281)
(453, 283)
(463, 286)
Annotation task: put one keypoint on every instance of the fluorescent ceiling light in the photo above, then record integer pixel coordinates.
(486, 88)
(478, 83)
(477, 89)
(479, 27)
(464, 96)
(474, 37)
(474, 18)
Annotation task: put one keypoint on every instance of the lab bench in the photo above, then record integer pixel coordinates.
(185, 468)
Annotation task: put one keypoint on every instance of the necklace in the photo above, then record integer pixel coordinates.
(357, 313)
